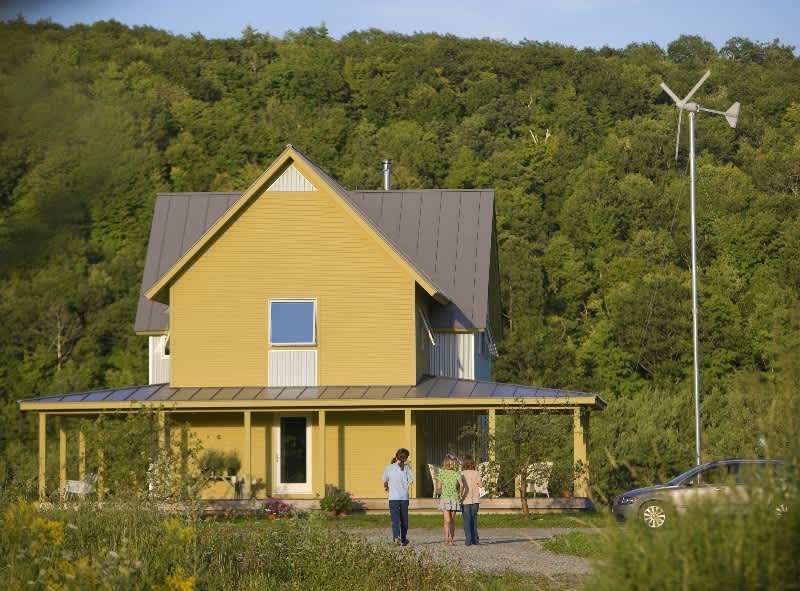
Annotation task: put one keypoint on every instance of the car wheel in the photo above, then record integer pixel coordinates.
(653, 514)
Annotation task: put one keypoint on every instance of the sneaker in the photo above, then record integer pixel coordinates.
(404, 542)
(396, 541)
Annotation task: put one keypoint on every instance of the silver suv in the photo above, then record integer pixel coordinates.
(721, 482)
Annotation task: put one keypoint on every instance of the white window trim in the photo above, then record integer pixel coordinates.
(313, 342)
(163, 346)
(427, 326)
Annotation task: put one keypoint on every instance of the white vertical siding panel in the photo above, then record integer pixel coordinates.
(292, 368)
(452, 357)
(158, 367)
(291, 180)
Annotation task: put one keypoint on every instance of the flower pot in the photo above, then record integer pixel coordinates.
(332, 514)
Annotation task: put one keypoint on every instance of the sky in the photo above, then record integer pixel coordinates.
(576, 23)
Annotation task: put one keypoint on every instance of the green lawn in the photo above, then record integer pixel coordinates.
(586, 545)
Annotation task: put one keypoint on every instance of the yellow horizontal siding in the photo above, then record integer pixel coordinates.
(293, 245)
(358, 448)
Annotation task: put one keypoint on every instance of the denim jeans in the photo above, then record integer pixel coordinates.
(471, 524)
(399, 512)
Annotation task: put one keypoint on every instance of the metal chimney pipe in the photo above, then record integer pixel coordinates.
(387, 174)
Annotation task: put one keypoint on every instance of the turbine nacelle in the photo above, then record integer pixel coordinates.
(685, 104)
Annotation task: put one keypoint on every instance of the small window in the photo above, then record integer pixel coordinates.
(292, 322)
(425, 328)
(491, 344)
(482, 345)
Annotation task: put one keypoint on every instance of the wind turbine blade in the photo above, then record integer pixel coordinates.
(697, 86)
(732, 114)
(678, 134)
(671, 94)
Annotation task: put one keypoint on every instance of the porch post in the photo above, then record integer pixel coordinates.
(101, 470)
(62, 453)
(323, 473)
(42, 454)
(492, 431)
(580, 431)
(81, 454)
(248, 454)
(409, 442)
(162, 432)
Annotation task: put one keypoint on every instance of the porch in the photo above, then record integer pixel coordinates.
(293, 442)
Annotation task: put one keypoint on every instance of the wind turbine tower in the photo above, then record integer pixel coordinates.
(732, 116)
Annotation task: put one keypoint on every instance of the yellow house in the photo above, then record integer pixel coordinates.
(314, 330)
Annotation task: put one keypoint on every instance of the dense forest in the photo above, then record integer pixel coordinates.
(592, 206)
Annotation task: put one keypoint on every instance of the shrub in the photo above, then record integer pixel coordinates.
(337, 501)
(708, 549)
(216, 462)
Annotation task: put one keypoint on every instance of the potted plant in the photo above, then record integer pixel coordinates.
(337, 502)
(277, 509)
(232, 463)
(216, 462)
(212, 462)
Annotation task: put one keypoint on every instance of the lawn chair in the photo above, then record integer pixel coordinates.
(490, 474)
(434, 472)
(539, 478)
(80, 488)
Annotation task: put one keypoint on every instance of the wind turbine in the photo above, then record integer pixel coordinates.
(732, 116)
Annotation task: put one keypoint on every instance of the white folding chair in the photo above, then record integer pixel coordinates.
(434, 471)
(538, 480)
(80, 488)
(490, 473)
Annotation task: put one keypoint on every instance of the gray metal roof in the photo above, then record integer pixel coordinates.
(450, 392)
(447, 234)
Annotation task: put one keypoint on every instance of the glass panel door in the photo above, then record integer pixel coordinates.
(293, 460)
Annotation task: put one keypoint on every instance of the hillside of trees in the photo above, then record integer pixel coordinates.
(593, 208)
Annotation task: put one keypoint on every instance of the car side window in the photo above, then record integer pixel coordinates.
(715, 475)
(750, 474)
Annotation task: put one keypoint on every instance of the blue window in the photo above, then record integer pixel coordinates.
(292, 322)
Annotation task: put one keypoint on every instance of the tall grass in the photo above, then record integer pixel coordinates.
(707, 549)
(128, 546)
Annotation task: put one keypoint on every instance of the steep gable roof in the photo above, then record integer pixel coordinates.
(444, 235)
(290, 156)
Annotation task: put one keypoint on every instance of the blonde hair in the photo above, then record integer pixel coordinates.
(450, 462)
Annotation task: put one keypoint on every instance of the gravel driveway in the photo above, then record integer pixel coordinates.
(518, 549)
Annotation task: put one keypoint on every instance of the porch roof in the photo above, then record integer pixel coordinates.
(431, 392)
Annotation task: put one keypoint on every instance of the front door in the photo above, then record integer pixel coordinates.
(293, 457)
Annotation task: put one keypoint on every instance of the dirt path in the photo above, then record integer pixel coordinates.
(518, 549)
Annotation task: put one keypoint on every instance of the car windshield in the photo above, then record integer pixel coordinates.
(681, 477)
